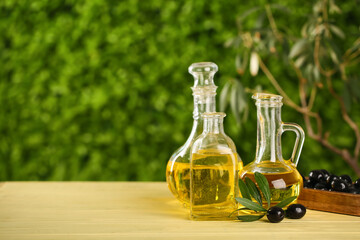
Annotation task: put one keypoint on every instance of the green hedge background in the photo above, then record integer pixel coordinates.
(99, 90)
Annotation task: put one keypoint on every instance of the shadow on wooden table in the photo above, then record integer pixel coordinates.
(167, 206)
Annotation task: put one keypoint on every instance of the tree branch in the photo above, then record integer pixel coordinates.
(272, 22)
(305, 107)
(346, 117)
(312, 97)
(307, 113)
(305, 110)
(316, 57)
(273, 81)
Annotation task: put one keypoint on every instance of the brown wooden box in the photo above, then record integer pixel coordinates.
(337, 202)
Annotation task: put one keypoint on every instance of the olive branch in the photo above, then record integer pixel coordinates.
(250, 191)
(315, 59)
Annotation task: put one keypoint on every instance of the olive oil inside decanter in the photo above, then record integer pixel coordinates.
(178, 178)
(214, 184)
(282, 184)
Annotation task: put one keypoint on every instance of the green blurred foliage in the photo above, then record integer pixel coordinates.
(99, 90)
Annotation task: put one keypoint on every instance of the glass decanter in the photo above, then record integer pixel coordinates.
(204, 92)
(214, 171)
(284, 179)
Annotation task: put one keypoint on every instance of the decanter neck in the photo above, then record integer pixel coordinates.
(203, 103)
(213, 122)
(204, 92)
(204, 89)
(268, 146)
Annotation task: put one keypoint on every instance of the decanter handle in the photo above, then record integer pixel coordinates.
(300, 137)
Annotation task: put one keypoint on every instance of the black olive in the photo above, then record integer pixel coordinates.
(316, 176)
(329, 180)
(309, 183)
(325, 173)
(320, 186)
(354, 190)
(339, 185)
(295, 211)
(275, 214)
(357, 183)
(346, 178)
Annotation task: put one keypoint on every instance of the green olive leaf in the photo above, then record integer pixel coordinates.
(264, 186)
(250, 218)
(224, 97)
(244, 190)
(286, 202)
(234, 102)
(337, 31)
(254, 191)
(250, 204)
(299, 47)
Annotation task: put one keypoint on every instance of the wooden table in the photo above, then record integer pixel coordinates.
(138, 210)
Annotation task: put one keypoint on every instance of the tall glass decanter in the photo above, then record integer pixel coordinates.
(204, 92)
(284, 179)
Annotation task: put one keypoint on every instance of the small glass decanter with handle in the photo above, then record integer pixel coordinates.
(214, 168)
(283, 177)
(178, 166)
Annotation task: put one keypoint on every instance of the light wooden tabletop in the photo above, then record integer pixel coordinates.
(138, 210)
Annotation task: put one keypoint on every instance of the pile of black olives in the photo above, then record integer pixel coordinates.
(323, 180)
(277, 214)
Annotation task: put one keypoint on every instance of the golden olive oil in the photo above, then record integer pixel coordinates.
(282, 184)
(214, 176)
(178, 178)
